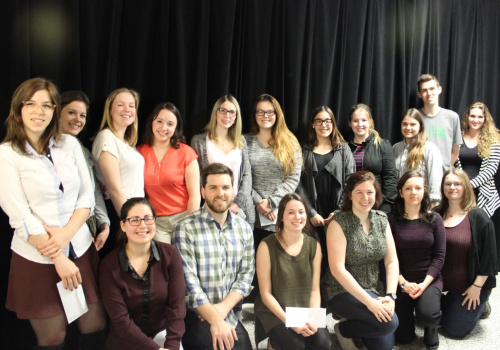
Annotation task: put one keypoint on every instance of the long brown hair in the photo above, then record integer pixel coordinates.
(283, 143)
(16, 134)
(281, 212)
(416, 151)
(468, 199)
(148, 136)
(399, 203)
(335, 137)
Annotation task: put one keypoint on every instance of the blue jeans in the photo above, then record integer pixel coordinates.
(456, 320)
(362, 323)
(198, 337)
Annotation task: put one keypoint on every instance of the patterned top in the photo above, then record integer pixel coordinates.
(216, 260)
(363, 252)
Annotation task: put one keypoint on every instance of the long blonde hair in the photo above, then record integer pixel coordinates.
(488, 135)
(416, 151)
(283, 143)
(234, 132)
(371, 128)
(107, 121)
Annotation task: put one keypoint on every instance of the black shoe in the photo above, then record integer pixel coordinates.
(486, 311)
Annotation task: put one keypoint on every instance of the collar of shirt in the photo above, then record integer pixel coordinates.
(207, 217)
(125, 262)
(31, 150)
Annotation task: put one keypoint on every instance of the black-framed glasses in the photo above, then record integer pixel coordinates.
(224, 111)
(31, 106)
(270, 113)
(136, 221)
(319, 122)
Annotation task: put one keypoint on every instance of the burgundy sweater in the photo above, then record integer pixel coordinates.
(421, 248)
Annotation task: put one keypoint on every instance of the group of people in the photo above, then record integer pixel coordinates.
(376, 233)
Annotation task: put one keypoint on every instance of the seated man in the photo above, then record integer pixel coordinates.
(217, 254)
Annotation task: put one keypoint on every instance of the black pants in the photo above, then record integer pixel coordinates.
(427, 309)
(283, 338)
(198, 337)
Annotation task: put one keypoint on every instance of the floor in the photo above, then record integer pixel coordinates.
(484, 337)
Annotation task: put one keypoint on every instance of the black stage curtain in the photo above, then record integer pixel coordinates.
(305, 53)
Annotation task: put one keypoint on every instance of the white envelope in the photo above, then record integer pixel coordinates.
(298, 316)
(74, 302)
(264, 221)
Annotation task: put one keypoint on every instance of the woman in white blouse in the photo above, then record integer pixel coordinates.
(47, 193)
(121, 167)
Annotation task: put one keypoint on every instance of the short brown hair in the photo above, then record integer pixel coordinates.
(215, 169)
(353, 181)
(425, 78)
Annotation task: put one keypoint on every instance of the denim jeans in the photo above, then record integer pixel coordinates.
(427, 309)
(456, 320)
(198, 337)
(362, 323)
(283, 338)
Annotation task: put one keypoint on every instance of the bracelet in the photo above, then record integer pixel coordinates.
(403, 286)
(475, 285)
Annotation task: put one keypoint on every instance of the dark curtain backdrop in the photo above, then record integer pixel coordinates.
(305, 53)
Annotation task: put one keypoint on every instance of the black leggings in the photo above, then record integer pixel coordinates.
(283, 338)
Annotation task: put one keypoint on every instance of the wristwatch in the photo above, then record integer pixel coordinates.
(393, 296)
(403, 286)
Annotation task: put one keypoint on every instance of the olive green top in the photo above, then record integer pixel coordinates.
(291, 278)
(363, 253)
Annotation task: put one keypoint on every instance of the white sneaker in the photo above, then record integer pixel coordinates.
(345, 343)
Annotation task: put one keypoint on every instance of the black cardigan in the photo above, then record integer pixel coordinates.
(483, 255)
(380, 161)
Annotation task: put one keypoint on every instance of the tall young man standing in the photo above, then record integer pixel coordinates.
(442, 126)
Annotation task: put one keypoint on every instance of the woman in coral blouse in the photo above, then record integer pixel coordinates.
(171, 173)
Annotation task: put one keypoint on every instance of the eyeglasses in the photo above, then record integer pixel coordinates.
(456, 184)
(136, 221)
(31, 106)
(269, 113)
(319, 122)
(224, 111)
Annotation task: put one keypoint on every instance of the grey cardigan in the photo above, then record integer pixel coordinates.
(340, 167)
(243, 198)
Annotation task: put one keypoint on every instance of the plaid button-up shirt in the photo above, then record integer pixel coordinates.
(216, 260)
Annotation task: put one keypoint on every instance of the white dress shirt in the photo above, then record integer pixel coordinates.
(36, 190)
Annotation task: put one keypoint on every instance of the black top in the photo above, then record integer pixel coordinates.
(326, 186)
(471, 162)
(380, 161)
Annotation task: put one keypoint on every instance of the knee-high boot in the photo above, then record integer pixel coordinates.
(93, 341)
(50, 347)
